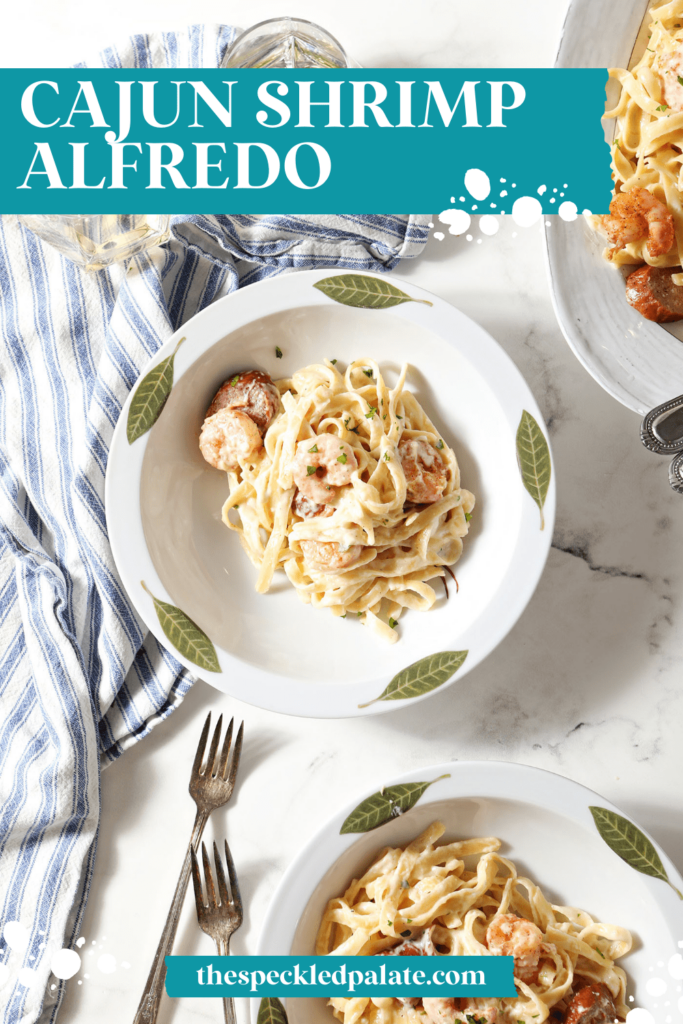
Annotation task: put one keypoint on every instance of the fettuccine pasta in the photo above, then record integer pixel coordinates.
(464, 898)
(354, 494)
(647, 152)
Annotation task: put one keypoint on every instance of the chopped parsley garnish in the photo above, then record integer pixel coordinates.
(385, 416)
(359, 614)
(234, 380)
(601, 953)
(346, 423)
(680, 80)
(387, 457)
(235, 506)
(343, 616)
(278, 352)
(310, 470)
(393, 623)
(333, 361)
(649, 50)
(313, 449)
(664, 106)
(398, 417)
(390, 923)
(468, 516)
(354, 430)
(439, 443)
(371, 413)
(343, 459)
(409, 920)
(368, 373)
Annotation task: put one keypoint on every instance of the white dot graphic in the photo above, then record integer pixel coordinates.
(568, 211)
(65, 963)
(458, 221)
(488, 224)
(526, 211)
(26, 976)
(639, 1016)
(477, 183)
(80, 942)
(675, 967)
(469, 237)
(542, 189)
(16, 936)
(656, 987)
(439, 235)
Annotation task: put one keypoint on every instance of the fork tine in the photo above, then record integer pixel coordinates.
(235, 763)
(208, 879)
(215, 739)
(199, 756)
(220, 878)
(197, 883)
(225, 751)
(234, 884)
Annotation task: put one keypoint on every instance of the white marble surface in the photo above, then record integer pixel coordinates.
(589, 684)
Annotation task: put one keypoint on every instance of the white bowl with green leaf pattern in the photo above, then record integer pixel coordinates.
(578, 847)
(188, 576)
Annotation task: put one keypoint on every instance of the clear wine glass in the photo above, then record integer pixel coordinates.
(286, 43)
(95, 241)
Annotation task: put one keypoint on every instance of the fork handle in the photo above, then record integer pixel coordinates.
(148, 1007)
(223, 947)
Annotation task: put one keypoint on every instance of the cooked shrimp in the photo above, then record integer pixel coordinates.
(327, 556)
(424, 471)
(509, 935)
(443, 1010)
(253, 393)
(229, 438)
(307, 509)
(670, 67)
(638, 214)
(321, 464)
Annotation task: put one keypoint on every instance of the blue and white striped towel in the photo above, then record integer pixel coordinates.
(80, 680)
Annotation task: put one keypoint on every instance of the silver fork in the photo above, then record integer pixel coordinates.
(220, 918)
(211, 786)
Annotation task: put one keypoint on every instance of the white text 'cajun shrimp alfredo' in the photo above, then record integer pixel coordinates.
(464, 899)
(342, 482)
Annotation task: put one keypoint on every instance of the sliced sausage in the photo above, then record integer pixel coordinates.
(251, 392)
(651, 291)
(592, 1004)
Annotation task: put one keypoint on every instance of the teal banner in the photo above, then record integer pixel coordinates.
(246, 141)
(337, 976)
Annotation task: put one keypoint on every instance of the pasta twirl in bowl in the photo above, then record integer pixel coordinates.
(464, 899)
(187, 572)
(490, 859)
(351, 491)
